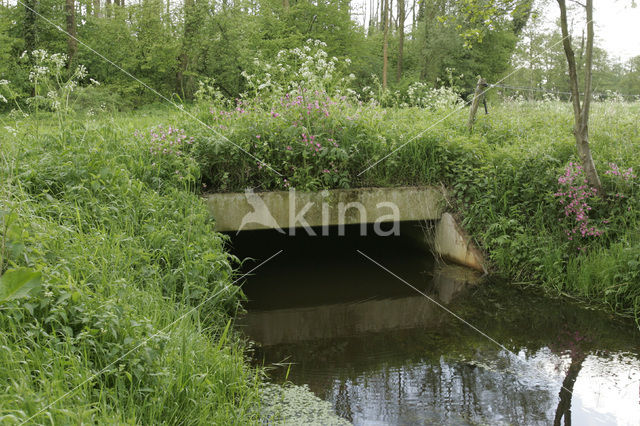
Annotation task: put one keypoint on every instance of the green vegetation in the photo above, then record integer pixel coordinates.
(297, 404)
(104, 227)
(116, 294)
(172, 45)
(136, 287)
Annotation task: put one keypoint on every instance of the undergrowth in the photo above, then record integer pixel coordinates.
(130, 323)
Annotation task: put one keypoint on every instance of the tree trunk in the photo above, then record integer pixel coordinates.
(401, 13)
(96, 8)
(372, 18)
(187, 56)
(385, 46)
(72, 42)
(30, 25)
(413, 19)
(581, 112)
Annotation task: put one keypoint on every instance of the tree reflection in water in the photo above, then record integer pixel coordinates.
(572, 343)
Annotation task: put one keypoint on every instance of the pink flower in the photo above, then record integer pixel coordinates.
(575, 201)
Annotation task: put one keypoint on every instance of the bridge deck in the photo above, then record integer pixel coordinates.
(287, 209)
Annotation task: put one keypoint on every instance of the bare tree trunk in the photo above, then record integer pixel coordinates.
(413, 19)
(385, 46)
(581, 112)
(372, 19)
(72, 43)
(189, 53)
(401, 13)
(184, 56)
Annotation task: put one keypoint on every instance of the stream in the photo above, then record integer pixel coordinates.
(467, 351)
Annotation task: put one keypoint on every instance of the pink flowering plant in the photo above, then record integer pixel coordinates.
(588, 214)
(578, 200)
(170, 161)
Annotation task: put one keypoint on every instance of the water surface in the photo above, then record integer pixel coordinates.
(381, 353)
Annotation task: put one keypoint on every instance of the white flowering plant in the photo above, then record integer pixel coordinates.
(421, 95)
(52, 83)
(208, 92)
(3, 99)
(302, 68)
(416, 95)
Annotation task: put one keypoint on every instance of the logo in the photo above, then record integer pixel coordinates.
(321, 213)
(260, 214)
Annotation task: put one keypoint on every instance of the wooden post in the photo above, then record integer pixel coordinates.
(476, 101)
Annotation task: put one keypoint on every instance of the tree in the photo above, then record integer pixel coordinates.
(385, 46)
(72, 42)
(401, 17)
(581, 109)
(29, 26)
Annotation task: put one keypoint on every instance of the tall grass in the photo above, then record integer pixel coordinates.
(126, 259)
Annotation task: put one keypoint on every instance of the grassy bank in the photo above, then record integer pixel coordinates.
(129, 325)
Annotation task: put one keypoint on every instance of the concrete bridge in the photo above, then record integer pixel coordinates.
(315, 212)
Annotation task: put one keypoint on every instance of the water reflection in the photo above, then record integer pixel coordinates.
(384, 355)
(331, 321)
